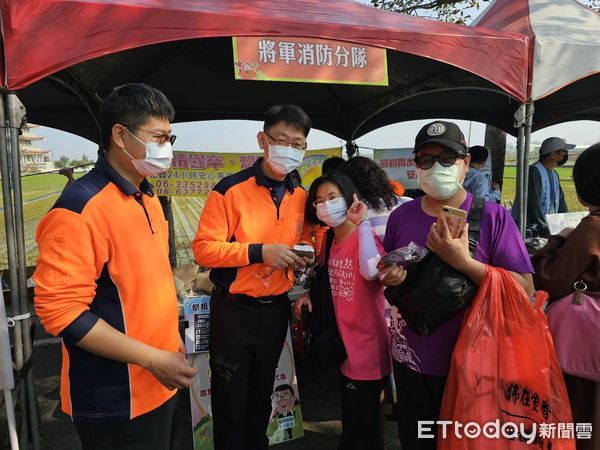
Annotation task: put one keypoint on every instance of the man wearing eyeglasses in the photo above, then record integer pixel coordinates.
(104, 284)
(247, 231)
(544, 192)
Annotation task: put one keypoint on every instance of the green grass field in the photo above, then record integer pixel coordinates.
(563, 172)
(36, 186)
(509, 187)
(33, 213)
(39, 194)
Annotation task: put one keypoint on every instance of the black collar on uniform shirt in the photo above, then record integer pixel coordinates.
(125, 186)
(262, 180)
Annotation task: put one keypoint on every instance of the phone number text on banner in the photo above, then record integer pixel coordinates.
(195, 174)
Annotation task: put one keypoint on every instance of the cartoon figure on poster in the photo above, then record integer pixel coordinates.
(286, 419)
(286, 415)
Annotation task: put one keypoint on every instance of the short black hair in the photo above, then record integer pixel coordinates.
(585, 175)
(332, 164)
(479, 154)
(290, 114)
(343, 183)
(283, 388)
(132, 105)
(372, 182)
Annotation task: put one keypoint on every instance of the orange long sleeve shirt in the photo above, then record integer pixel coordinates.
(239, 216)
(103, 254)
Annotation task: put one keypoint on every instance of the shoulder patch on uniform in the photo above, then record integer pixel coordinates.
(232, 180)
(81, 192)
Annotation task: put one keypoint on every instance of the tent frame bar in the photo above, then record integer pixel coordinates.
(12, 118)
(7, 381)
(524, 123)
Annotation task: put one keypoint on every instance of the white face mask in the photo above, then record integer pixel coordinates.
(284, 159)
(158, 158)
(440, 182)
(333, 212)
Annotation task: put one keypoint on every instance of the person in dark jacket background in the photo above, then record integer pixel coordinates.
(544, 193)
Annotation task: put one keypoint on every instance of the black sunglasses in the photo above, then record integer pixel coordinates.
(447, 158)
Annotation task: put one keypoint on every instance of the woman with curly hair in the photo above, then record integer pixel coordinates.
(382, 196)
(375, 189)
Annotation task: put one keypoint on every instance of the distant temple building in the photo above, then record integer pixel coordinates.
(33, 159)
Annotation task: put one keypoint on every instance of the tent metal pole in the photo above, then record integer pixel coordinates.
(7, 381)
(520, 180)
(15, 111)
(9, 224)
(10, 418)
(520, 116)
(528, 124)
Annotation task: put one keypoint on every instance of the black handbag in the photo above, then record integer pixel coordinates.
(433, 291)
(324, 344)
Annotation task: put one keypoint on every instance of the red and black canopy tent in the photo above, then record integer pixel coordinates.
(563, 68)
(61, 56)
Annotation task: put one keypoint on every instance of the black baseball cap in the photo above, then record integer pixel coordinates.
(445, 133)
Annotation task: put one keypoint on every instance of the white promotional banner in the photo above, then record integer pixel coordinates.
(398, 164)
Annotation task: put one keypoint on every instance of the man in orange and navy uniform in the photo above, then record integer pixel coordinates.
(247, 230)
(104, 284)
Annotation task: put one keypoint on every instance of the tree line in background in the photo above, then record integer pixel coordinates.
(64, 161)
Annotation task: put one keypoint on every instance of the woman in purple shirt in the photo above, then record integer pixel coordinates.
(421, 363)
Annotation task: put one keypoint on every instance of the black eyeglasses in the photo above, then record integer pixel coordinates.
(285, 143)
(446, 158)
(162, 138)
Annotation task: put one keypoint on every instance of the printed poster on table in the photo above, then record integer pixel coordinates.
(558, 222)
(308, 60)
(285, 422)
(399, 165)
(195, 174)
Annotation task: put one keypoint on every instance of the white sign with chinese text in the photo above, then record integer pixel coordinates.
(558, 222)
(398, 164)
(285, 423)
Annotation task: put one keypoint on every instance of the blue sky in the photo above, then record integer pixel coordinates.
(240, 136)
